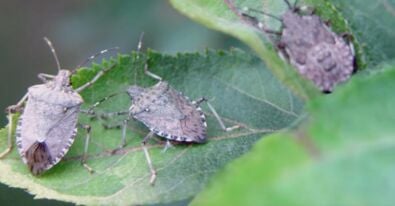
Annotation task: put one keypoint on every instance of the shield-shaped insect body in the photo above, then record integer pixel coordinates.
(318, 53)
(309, 44)
(168, 113)
(48, 124)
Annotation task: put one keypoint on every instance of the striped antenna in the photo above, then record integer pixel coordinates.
(95, 56)
(53, 52)
(262, 12)
(139, 46)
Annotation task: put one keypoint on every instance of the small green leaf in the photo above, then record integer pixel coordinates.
(344, 155)
(239, 86)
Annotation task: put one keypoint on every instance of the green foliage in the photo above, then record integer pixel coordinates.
(241, 89)
(372, 25)
(225, 16)
(343, 156)
(218, 15)
(369, 22)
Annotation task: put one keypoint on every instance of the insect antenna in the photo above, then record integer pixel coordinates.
(139, 46)
(256, 23)
(53, 52)
(289, 4)
(91, 58)
(262, 12)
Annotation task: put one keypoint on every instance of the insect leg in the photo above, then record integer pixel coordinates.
(150, 74)
(221, 123)
(18, 106)
(10, 113)
(95, 78)
(109, 115)
(124, 128)
(44, 77)
(200, 101)
(307, 10)
(115, 126)
(347, 36)
(147, 156)
(262, 12)
(167, 146)
(10, 127)
(98, 103)
(86, 147)
(282, 52)
(288, 4)
(217, 117)
(106, 116)
(256, 23)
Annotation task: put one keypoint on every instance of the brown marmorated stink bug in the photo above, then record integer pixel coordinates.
(311, 46)
(48, 124)
(167, 113)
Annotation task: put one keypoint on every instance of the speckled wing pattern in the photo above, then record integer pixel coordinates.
(169, 114)
(318, 53)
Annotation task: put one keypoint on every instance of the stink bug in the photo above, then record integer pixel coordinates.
(48, 124)
(166, 112)
(311, 47)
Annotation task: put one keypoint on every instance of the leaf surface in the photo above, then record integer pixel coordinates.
(372, 23)
(239, 86)
(368, 22)
(343, 156)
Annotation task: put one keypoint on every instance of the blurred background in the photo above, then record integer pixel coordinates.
(79, 29)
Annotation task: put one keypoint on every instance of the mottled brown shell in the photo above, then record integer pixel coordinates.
(168, 113)
(318, 53)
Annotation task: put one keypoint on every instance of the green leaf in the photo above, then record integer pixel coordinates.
(372, 23)
(343, 156)
(241, 89)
